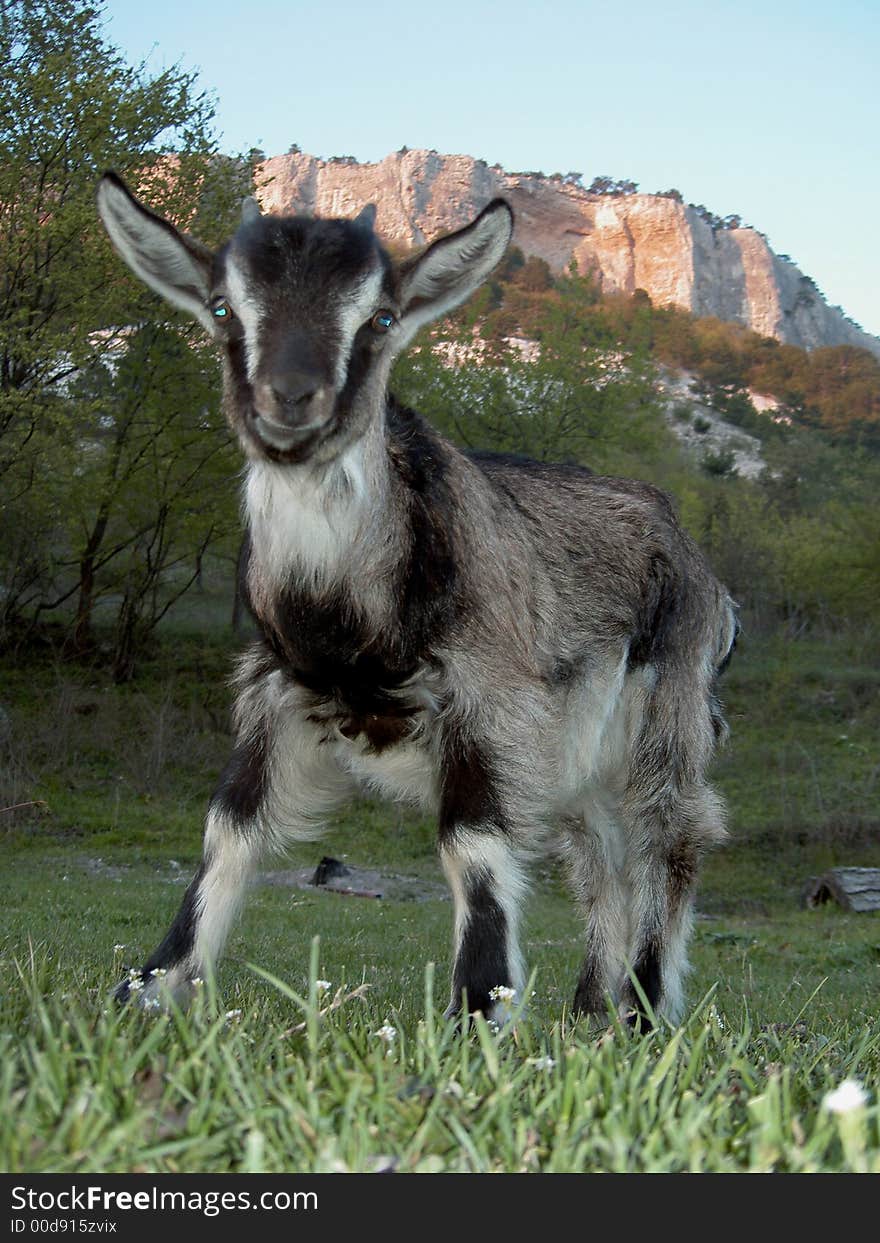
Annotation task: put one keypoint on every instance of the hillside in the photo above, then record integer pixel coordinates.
(679, 254)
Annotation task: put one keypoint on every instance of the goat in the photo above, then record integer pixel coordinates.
(530, 651)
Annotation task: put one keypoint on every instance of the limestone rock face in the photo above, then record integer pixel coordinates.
(636, 241)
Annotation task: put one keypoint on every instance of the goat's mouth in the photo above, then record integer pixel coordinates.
(282, 440)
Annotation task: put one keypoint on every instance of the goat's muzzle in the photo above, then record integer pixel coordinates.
(291, 408)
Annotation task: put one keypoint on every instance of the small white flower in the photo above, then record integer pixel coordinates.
(542, 1063)
(152, 1003)
(716, 1018)
(323, 986)
(232, 1015)
(387, 1033)
(501, 992)
(135, 984)
(159, 971)
(197, 981)
(844, 1099)
(117, 949)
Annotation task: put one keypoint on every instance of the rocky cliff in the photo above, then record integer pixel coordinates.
(632, 241)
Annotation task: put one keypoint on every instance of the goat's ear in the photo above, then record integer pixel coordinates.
(453, 267)
(250, 210)
(175, 265)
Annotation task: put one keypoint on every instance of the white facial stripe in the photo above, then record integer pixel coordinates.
(249, 312)
(354, 310)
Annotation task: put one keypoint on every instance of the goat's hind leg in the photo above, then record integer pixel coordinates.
(277, 786)
(673, 816)
(595, 858)
(663, 865)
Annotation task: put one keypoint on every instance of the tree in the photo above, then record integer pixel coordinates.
(69, 314)
(601, 184)
(160, 482)
(607, 185)
(535, 275)
(513, 260)
(575, 401)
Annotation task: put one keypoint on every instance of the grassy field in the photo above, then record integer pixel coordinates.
(270, 1072)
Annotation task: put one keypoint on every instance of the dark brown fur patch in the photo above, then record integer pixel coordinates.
(647, 972)
(242, 784)
(468, 786)
(380, 730)
(589, 997)
(682, 864)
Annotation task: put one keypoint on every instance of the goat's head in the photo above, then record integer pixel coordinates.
(310, 314)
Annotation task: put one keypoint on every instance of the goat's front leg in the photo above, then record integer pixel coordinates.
(482, 865)
(231, 851)
(487, 887)
(278, 786)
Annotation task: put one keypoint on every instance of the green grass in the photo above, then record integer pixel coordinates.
(803, 764)
(282, 1087)
(790, 996)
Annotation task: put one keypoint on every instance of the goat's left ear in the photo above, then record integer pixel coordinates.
(174, 264)
(453, 267)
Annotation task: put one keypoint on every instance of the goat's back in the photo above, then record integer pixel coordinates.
(602, 560)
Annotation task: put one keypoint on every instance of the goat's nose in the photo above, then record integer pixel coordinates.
(292, 389)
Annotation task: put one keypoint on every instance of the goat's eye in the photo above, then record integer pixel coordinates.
(382, 321)
(221, 309)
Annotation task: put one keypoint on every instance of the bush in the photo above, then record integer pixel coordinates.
(722, 463)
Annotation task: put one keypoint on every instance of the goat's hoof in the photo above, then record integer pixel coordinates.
(591, 1024)
(497, 1015)
(123, 993)
(146, 990)
(637, 1021)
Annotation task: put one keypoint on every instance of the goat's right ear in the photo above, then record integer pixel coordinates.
(453, 267)
(175, 265)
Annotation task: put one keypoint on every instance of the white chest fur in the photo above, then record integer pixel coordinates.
(305, 523)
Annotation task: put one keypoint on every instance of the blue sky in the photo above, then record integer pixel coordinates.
(770, 110)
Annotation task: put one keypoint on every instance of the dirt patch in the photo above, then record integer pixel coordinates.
(171, 872)
(107, 871)
(361, 883)
(351, 881)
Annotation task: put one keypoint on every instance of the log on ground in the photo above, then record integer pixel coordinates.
(855, 889)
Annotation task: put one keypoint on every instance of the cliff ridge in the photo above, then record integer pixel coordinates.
(630, 241)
